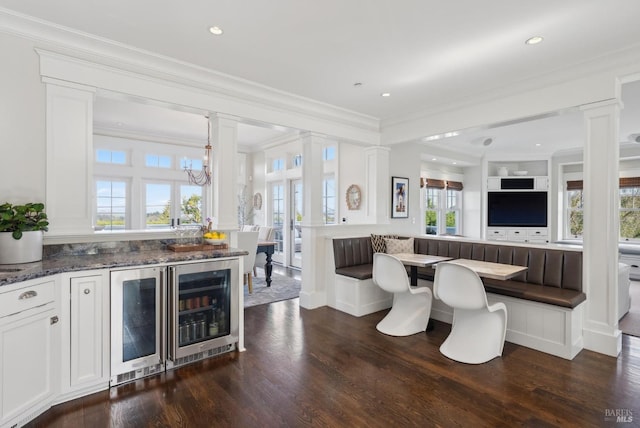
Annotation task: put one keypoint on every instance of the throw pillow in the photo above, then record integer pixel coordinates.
(395, 246)
(377, 242)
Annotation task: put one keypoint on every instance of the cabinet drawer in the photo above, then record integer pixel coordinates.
(537, 232)
(517, 234)
(26, 298)
(496, 233)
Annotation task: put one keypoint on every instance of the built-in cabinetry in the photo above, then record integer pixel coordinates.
(28, 357)
(84, 347)
(55, 334)
(517, 201)
(522, 234)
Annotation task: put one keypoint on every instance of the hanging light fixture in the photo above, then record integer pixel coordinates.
(202, 178)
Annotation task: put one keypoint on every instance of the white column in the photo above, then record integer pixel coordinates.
(69, 186)
(378, 179)
(312, 294)
(601, 227)
(224, 135)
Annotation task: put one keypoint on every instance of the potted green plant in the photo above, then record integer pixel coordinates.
(21, 228)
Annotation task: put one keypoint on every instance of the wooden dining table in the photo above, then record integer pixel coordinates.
(414, 261)
(490, 269)
(268, 248)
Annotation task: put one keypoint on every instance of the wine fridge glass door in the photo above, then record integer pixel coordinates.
(203, 307)
(137, 331)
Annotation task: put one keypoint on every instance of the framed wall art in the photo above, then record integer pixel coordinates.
(399, 197)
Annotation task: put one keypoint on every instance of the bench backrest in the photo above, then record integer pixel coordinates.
(551, 267)
(352, 251)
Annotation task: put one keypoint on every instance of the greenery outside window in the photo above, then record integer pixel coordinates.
(629, 209)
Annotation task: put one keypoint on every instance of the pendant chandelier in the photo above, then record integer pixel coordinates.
(203, 177)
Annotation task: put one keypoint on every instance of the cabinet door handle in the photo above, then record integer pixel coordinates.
(87, 291)
(634, 266)
(28, 295)
(54, 319)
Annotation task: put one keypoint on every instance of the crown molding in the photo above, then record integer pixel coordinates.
(55, 40)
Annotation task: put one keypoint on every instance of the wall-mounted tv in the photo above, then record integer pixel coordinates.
(517, 209)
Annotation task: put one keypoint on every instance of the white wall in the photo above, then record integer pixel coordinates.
(472, 202)
(351, 170)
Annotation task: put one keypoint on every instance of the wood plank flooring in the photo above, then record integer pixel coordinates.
(325, 368)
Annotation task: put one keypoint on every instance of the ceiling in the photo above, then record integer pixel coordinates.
(424, 53)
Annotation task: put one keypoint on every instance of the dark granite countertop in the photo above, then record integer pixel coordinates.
(61, 263)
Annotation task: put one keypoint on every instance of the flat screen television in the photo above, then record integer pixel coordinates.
(517, 209)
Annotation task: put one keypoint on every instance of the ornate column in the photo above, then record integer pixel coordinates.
(601, 227)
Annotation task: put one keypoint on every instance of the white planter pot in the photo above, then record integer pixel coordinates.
(24, 250)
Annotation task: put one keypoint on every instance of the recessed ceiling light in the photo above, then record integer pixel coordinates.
(385, 94)
(538, 144)
(534, 40)
(216, 31)
(434, 159)
(455, 163)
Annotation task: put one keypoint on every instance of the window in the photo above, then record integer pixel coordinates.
(432, 210)
(329, 200)
(442, 206)
(194, 164)
(297, 161)
(329, 153)
(111, 212)
(453, 213)
(158, 206)
(277, 214)
(146, 190)
(190, 204)
(156, 161)
(111, 156)
(629, 209)
(277, 164)
(574, 203)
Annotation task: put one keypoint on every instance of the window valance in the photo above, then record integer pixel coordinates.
(440, 184)
(624, 182)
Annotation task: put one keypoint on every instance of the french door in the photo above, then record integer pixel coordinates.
(295, 220)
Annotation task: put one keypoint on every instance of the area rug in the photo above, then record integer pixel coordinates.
(282, 288)
(630, 323)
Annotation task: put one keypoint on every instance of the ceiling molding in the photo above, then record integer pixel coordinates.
(62, 41)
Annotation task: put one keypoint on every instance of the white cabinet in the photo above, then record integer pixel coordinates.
(538, 235)
(84, 347)
(28, 358)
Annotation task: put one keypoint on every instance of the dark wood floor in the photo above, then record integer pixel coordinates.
(326, 368)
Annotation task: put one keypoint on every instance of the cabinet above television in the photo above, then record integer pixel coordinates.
(529, 168)
(517, 183)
